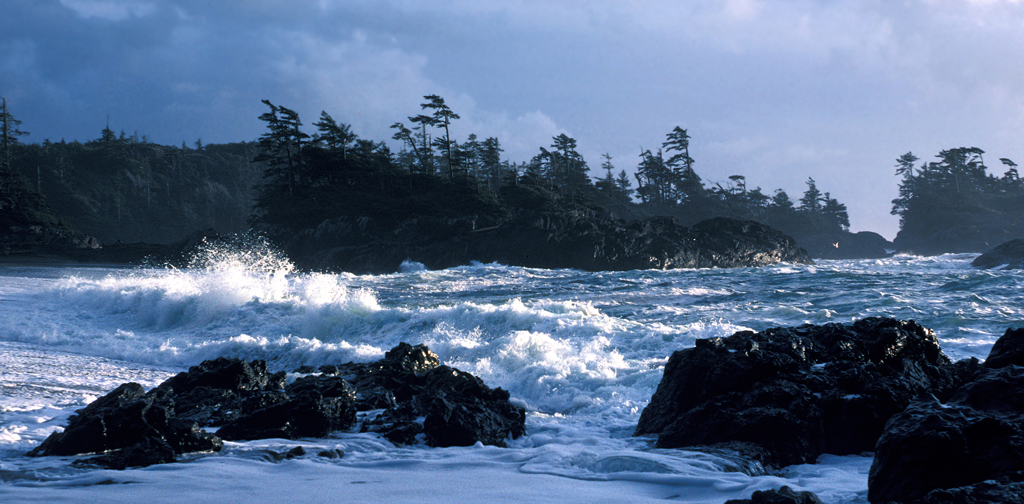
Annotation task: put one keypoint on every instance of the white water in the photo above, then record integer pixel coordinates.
(582, 351)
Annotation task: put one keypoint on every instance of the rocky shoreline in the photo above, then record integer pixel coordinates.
(940, 431)
(407, 397)
(579, 240)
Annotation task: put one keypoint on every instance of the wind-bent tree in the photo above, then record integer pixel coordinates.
(281, 146)
(443, 116)
(335, 137)
(689, 187)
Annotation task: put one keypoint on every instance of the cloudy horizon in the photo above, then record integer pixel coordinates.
(775, 91)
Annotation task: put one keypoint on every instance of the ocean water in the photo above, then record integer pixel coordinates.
(582, 351)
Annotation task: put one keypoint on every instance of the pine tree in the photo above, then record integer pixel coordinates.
(443, 116)
(688, 185)
(281, 146)
(811, 201)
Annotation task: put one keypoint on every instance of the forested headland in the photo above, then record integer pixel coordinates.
(953, 204)
(295, 178)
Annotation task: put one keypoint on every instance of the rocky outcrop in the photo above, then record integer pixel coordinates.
(417, 400)
(130, 428)
(969, 448)
(580, 240)
(1009, 255)
(845, 245)
(783, 495)
(791, 394)
(36, 240)
(978, 235)
(178, 254)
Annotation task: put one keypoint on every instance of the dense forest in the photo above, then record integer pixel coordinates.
(333, 172)
(126, 188)
(954, 205)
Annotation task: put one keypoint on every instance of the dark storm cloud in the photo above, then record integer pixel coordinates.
(777, 91)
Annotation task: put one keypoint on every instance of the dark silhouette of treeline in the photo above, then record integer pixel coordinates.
(125, 188)
(953, 204)
(333, 172)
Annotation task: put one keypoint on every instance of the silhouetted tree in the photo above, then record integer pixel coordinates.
(442, 118)
(281, 146)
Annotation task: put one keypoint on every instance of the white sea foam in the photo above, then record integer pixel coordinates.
(582, 351)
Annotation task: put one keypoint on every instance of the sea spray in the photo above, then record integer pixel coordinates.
(583, 351)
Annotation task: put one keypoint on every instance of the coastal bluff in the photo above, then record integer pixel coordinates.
(581, 240)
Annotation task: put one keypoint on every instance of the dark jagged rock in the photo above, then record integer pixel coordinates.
(222, 373)
(460, 411)
(783, 495)
(422, 402)
(313, 406)
(446, 406)
(1010, 255)
(147, 452)
(126, 424)
(1003, 490)
(578, 239)
(799, 392)
(940, 452)
(1007, 350)
(213, 392)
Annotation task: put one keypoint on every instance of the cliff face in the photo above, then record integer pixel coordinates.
(580, 240)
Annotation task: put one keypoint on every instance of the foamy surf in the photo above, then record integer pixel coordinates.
(583, 351)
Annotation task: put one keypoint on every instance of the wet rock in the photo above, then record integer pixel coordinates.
(578, 239)
(799, 392)
(315, 406)
(336, 453)
(1007, 350)
(460, 410)
(213, 392)
(1003, 490)
(222, 373)
(430, 403)
(125, 424)
(1009, 255)
(783, 495)
(147, 452)
(937, 451)
(419, 402)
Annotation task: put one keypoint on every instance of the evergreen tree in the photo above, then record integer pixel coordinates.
(607, 184)
(835, 212)
(624, 186)
(281, 146)
(334, 136)
(781, 201)
(489, 154)
(811, 201)
(443, 116)
(654, 180)
(688, 185)
(9, 129)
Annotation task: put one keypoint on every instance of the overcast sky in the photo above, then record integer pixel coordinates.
(777, 90)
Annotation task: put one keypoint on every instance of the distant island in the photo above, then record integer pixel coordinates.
(311, 192)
